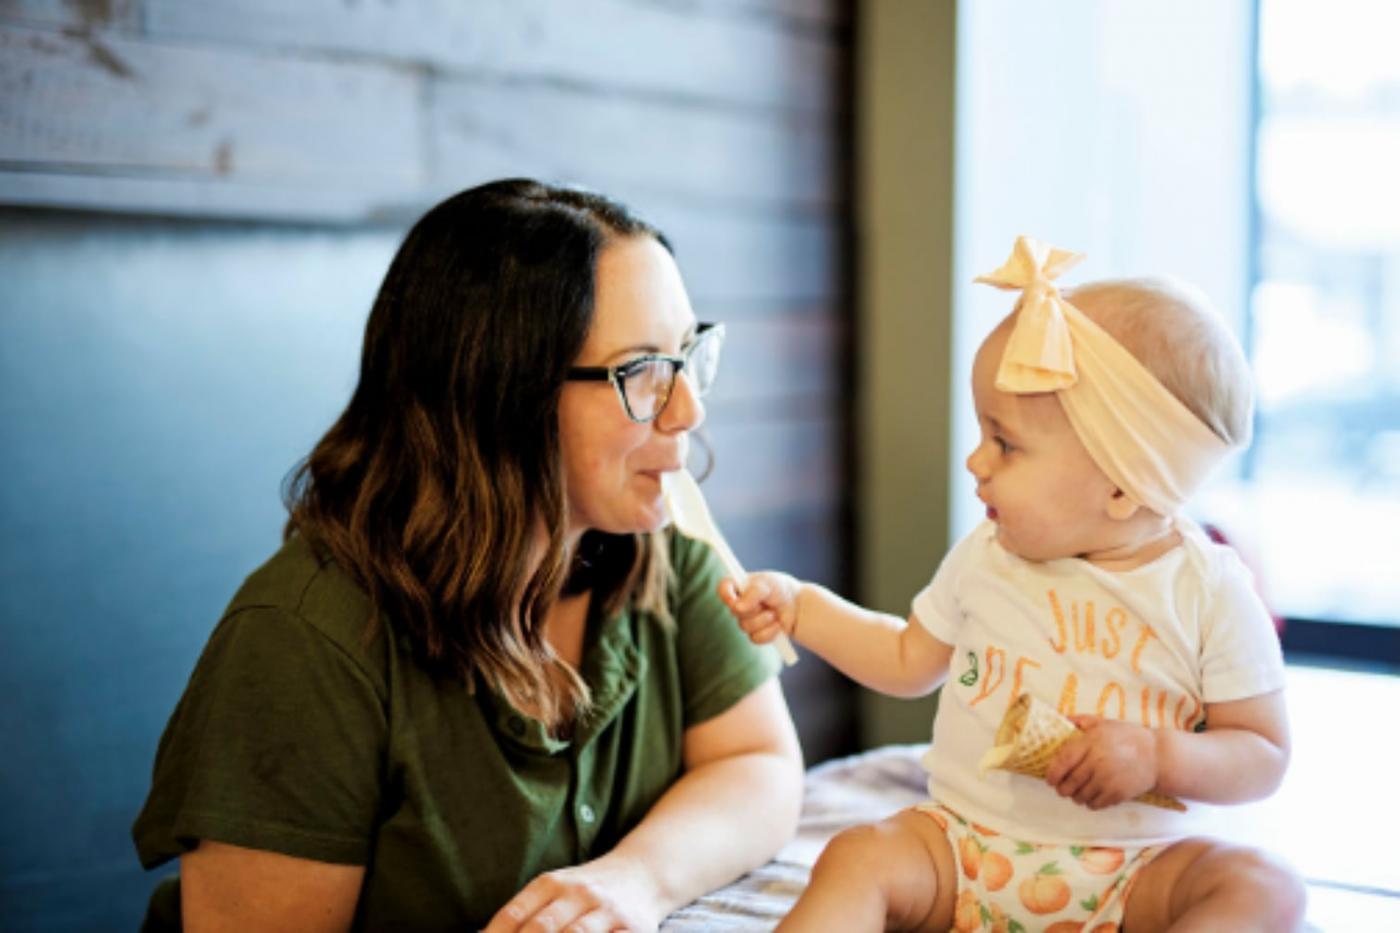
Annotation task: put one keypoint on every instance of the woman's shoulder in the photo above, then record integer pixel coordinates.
(693, 574)
(302, 589)
(688, 556)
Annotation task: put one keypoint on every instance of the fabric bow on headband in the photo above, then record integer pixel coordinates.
(1039, 355)
(1149, 444)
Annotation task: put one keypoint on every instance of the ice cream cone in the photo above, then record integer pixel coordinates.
(1030, 734)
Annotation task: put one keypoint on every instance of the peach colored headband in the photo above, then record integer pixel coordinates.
(1147, 442)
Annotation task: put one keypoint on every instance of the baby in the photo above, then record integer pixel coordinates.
(1086, 588)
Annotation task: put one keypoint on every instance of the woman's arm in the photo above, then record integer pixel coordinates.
(224, 887)
(735, 805)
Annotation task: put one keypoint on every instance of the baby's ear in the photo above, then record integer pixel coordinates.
(1120, 508)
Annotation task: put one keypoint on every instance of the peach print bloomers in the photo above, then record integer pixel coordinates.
(1010, 886)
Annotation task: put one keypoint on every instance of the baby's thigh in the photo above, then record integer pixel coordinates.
(908, 858)
(1223, 879)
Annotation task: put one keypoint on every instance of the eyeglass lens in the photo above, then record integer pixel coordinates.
(648, 385)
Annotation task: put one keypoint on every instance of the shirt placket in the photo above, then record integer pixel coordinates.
(613, 668)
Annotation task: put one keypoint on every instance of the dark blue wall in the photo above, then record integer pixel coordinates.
(157, 380)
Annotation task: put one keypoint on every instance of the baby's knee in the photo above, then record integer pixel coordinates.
(852, 847)
(1273, 887)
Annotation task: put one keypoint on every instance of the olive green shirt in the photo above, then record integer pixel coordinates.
(298, 734)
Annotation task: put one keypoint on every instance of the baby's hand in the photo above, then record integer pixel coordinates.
(1110, 763)
(767, 606)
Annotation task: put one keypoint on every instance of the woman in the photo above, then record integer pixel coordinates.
(478, 685)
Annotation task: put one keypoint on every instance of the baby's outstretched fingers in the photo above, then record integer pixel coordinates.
(764, 628)
(753, 622)
(728, 592)
(765, 607)
(755, 594)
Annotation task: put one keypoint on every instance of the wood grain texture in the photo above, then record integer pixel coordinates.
(196, 196)
(788, 361)
(731, 257)
(634, 147)
(663, 49)
(797, 13)
(102, 103)
(822, 705)
(73, 14)
(773, 465)
(324, 110)
(796, 541)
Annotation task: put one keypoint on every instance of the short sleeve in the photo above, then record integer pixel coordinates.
(719, 665)
(277, 744)
(1240, 652)
(936, 605)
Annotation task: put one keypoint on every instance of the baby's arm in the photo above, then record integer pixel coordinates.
(878, 650)
(1241, 756)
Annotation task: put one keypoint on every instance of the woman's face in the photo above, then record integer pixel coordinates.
(612, 465)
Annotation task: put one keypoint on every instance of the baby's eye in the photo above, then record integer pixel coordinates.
(1002, 444)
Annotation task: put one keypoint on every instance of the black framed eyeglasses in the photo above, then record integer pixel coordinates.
(644, 384)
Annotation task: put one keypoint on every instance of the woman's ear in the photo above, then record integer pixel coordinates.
(1120, 507)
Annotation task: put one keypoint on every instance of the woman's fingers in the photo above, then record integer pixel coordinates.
(595, 921)
(560, 914)
(567, 900)
(542, 906)
(566, 912)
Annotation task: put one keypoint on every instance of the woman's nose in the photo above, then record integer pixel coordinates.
(684, 411)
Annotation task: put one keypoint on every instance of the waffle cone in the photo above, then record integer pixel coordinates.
(1028, 738)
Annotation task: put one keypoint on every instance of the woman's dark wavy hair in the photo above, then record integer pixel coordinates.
(440, 489)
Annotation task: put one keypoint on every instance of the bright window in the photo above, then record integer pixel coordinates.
(1323, 477)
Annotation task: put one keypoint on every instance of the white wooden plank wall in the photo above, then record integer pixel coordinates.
(722, 120)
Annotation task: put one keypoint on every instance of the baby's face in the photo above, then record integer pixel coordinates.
(1047, 496)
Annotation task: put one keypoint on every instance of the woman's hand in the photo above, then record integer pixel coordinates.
(595, 896)
(766, 607)
(707, 817)
(1110, 763)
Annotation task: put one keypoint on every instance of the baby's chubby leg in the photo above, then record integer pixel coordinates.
(1202, 884)
(897, 874)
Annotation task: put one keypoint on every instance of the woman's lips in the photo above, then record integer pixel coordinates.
(991, 513)
(656, 474)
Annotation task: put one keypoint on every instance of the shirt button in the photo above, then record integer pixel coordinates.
(585, 813)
